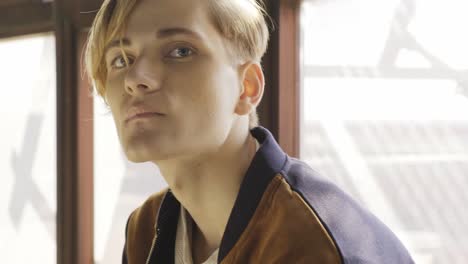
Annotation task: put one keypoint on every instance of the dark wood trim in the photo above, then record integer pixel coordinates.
(74, 144)
(67, 145)
(85, 161)
(22, 19)
(268, 107)
(280, 108)
(289, 82)
(6, 3)
(87, 11)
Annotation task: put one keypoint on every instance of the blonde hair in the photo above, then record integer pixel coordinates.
(241, 22)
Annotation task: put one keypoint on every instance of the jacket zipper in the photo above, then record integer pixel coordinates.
(153, 244)
(156, 233)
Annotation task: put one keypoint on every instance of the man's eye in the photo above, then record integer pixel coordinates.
(181, 53)
(119, 62)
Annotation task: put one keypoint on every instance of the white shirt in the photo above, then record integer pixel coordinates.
(183, 245)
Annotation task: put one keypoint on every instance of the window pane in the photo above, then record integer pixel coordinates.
(120, 186)
(28, 150)
(385, 113)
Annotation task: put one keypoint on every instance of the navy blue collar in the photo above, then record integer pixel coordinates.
(266, 164)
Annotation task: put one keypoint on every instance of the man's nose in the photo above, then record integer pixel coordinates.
(143, 77)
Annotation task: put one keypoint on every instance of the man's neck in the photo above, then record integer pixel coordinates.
(208, 186)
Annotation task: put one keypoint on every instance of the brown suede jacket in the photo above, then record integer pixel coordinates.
(284, 213)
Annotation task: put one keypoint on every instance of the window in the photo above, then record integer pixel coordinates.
(384, 113)
(28, 150)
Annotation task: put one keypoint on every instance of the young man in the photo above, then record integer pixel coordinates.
(183, 79)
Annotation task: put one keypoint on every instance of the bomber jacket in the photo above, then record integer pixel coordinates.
(285, 212)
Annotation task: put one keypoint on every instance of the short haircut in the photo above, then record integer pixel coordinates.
(241, 22)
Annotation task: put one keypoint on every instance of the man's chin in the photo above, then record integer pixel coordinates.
(143, 155)
(137, 155)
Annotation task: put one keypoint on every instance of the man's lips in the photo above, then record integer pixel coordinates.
(140, 111)
(142, 115)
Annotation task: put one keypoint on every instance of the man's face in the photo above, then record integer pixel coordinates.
(180, 71)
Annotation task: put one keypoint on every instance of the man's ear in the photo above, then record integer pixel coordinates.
(252, 87)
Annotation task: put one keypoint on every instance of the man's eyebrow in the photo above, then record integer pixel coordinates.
(162, 33)
(116, 43)
(168, 32)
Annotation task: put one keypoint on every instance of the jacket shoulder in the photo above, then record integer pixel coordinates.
(284, 230)
(358, 235)
(140, 229)
(147, 212)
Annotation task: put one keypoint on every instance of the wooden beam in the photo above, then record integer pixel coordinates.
(288, 71)
(67, 150)
(280, 108)
(6, 3)
(85, 161)
(74, 144)
(25, 18)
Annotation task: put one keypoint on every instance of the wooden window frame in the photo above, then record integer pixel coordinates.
(280, 108)
(70, 20)
(74, 221)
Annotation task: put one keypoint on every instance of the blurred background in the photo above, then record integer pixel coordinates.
(372, 94)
